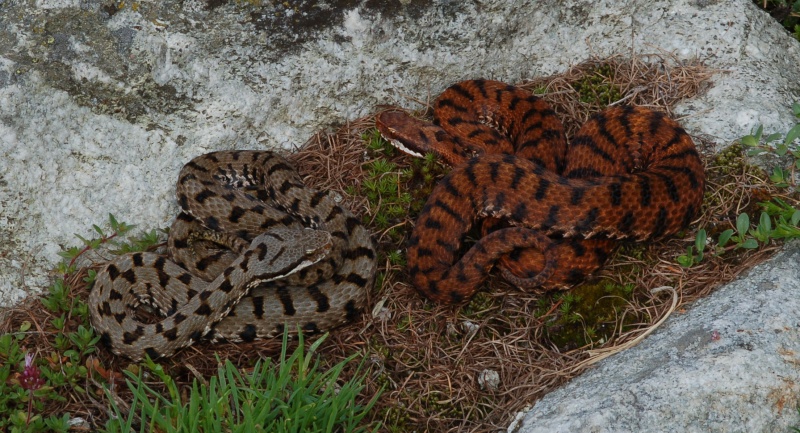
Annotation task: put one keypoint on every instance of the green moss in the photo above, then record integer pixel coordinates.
(396, 258)
(479, 306)
(730, 160)
(439, 403)
(404, 323)
(588, 314)
(727, 167)
(422, 177)
(637, 250)
(597, 86)
(396, 419)
(394, 193)
(541, 90)
(377, 145)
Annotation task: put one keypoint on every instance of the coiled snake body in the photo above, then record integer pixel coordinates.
(629, 173)
(254, 251)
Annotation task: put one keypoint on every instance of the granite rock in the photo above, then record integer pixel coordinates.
(730, 363)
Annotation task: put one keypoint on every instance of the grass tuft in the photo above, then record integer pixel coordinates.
(293, 396)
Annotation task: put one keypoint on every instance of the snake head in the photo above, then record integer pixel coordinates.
(281, 252)
(317, 244)
(417, 138)
(399, 130)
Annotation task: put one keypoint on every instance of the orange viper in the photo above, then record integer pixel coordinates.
(629, 173)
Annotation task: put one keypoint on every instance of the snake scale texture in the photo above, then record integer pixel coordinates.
(254, 251)
(629, 173)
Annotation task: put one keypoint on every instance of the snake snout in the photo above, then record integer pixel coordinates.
(317, 244)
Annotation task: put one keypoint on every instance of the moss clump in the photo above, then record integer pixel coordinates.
(589, 314)
(597, 86)
(730, 160)
(394, 193)
(479, 306)
(396, 419)
(539, 90)
(730, 166)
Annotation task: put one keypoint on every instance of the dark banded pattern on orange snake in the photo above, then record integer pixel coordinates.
(629, 173)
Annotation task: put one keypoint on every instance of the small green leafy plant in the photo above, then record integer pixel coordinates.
(778, 219)
(30, 382)
(694, 253)
(780, 145)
